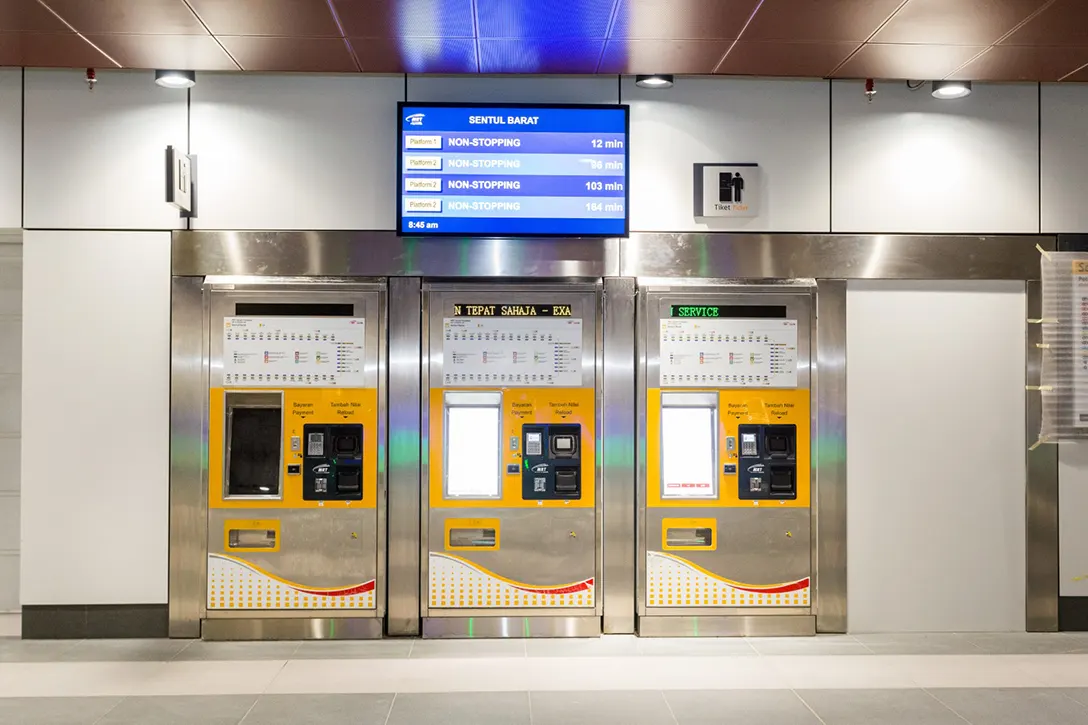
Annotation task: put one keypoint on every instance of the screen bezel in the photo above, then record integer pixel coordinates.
(402, 105)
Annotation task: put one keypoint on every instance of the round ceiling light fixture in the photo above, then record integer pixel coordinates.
(175, 78)
(656, 80)
(949, 90)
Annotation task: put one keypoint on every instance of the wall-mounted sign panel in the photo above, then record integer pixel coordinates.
(512, 351)
(728, 353)
(285, 352)
(512, 170)
(726, 190)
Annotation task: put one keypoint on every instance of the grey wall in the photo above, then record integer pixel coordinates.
(11, 343)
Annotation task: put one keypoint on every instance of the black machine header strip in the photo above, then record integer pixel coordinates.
(293, 309)
(726, 311)
(511, 310)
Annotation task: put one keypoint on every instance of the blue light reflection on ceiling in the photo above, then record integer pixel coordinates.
(532, 55)
(436, 36)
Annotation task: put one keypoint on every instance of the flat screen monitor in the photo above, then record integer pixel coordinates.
(512, 170)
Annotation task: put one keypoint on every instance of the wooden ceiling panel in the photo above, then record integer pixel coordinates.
(663, 56)
(297, 18)
(681, 19)
(917, 62)
(1019, 63)
(184, 52)
(140, 17)
(289, 55)
(773, 58)
(820, 20)
(956, 22)
(49, 50)
(1065, 22)
(28, 16)
(416, 55)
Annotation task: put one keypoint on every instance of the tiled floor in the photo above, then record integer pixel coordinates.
(1017, 679)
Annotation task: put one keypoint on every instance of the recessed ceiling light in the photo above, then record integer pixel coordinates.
(175, 78)
(948, 90)
(656, 80)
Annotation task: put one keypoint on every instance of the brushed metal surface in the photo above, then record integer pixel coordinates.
(486, 627)
(829, 449)
(403, 613)
(618, 454)
(1043, 578)
(740, 626)
(188, 445)
(791, 256)
(380, 254)
(222, 630)
(537, 546)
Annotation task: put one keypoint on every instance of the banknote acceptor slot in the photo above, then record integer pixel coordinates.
(332, 468)
(552, 461)
(768, 462)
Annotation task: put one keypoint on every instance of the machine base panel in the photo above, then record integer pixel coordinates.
(510, 627)
(740, 626)
(290, 628)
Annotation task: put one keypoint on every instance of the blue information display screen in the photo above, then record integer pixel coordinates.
(512, 170)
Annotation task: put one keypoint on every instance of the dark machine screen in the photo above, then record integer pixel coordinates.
(255, 440)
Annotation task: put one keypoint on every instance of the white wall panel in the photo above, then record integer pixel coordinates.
(781, 125)
(936, 456)
(96, 159)
(910, 163)
(1072, 532)
(11, 148)
(96, 357)
(1064, 145)
(296, 152)
(513, 89)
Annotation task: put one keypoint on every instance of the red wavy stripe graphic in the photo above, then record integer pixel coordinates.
(795, 587)
(580, 587)
(357, 589)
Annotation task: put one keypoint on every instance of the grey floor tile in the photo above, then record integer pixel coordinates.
(320, 710)
(206, 651)
(354, 650)
(750, 707)
(887, 707)
(462, 708)
(35, 650)
(1013, 706)
(125, 650)
(55, 710)
(468, 648)
(1030, 643)
(607, 646)
(918, 644)
(696, 647)
(830, 644)
(206, 710)
(647, 707)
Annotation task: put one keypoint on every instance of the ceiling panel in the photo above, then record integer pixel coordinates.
(1018, 63)
(771, 58)
(1063, 23)
(956, 22)
(416, 55)
(28, 16)
(681, 19)
(298, 18)
(529, 55)
(823, 20)
(912, 62)
(556, 19)
(1079, 76)
(50, 50)
(186, 52)
(145, 17)
(663, 56)
(408, 18)
(289, 55)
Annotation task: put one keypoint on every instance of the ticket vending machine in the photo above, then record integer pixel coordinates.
(294, 470)
(511, 525)
(725, 469)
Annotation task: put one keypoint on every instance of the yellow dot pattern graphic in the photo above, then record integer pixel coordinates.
(672, 583)
(456, 584)
(233, 585)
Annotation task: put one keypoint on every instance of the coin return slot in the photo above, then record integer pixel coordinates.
(690, 538)
(251, 538)
(567, 482)
(782, 483)
(349, 479)
(472, 538)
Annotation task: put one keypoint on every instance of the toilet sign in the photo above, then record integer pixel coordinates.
(726, 190)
